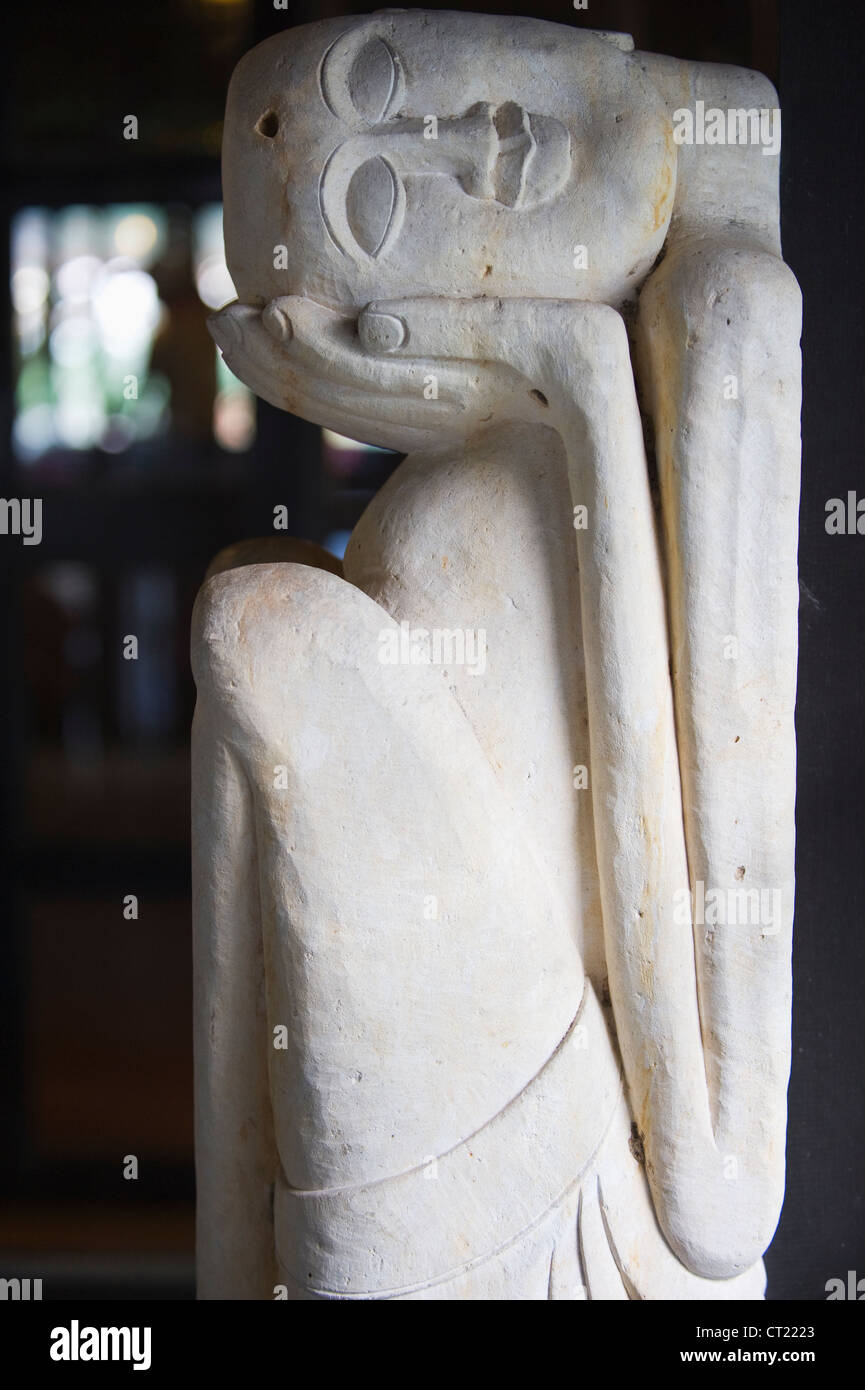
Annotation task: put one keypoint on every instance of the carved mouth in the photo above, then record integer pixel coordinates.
(534, 156)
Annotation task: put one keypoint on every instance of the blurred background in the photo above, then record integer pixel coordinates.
(149, 456)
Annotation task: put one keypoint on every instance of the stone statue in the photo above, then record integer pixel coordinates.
(493, 829)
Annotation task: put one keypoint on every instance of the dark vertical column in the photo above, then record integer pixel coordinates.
(285, 469)
(11, 788)
(822, 1232)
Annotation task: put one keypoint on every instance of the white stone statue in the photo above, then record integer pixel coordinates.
(493, 830)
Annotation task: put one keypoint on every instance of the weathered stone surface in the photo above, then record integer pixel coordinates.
(493, 830)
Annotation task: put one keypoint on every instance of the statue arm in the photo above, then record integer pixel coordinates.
(717, 351)
(718, 1216)
(572, 369)
(718, 347)
(235, 1151)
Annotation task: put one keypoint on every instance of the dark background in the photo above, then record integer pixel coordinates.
(94, 1008)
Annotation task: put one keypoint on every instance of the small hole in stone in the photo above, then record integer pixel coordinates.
(740, 872)
(268, 124)
(636, 1144)
(539, 397)
(736, 739)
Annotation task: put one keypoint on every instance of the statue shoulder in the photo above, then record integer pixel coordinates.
(726, 124)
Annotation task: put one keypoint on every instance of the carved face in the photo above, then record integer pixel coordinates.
(429, 152)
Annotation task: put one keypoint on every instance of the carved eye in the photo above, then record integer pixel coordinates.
(370, 201)
(373, 81)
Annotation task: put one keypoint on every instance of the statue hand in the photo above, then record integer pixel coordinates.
(313, 361)
(412, 373)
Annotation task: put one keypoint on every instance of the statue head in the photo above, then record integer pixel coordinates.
(414, 152)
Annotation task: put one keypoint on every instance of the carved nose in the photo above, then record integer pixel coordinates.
(501, 152)
(463, 146)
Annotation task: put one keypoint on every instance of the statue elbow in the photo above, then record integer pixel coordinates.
(722, 1232)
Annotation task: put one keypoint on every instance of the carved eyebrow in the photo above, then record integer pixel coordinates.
(361, 75)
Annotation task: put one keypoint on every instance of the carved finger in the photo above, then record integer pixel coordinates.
(481, 330)
(323, 342)
(301, 356)
(260, 356)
